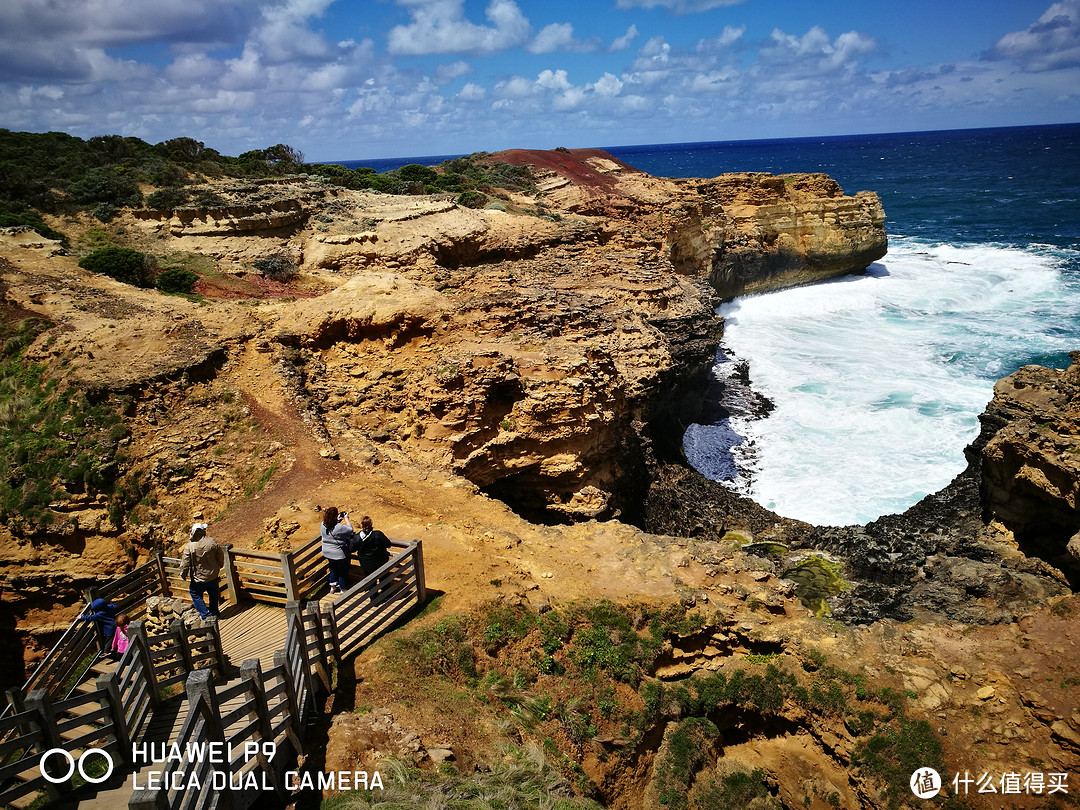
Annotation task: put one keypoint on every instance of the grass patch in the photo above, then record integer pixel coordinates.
(816, 579)
(523, 778)
(55, 441)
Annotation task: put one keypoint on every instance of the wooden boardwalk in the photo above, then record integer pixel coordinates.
(189, 685)
(253, 630)
(247, 631)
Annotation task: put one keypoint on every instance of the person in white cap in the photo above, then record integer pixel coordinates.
(200, 565)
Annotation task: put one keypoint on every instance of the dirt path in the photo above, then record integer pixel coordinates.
(265, 393)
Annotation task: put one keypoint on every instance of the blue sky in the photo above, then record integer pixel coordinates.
(339, 79)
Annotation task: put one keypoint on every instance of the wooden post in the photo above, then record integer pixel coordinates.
(418, 563)
(90, 594)
(199, 688)
(111, 700)
(251, 671)
(17, 702)
(232, 579)
(295, 619)
(163, 575)
(281, 659)
(219, 650)
(288, 569)
(39, 702)
(329, 623)
(145, 660)
(312, 610)
(146, 799)
(179, 638)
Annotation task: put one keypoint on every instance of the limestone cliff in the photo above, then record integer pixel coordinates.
(1030, 457)
(745, 232)
(453, 372)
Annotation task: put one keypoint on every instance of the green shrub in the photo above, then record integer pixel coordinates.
(176, 280)
(53, 441)
(107, 184)
(472, 199)
(898, 750)
(415, 173)
(122, 264)
(14, 215)
(737, 791)
(278, 268)
(105, 212)
(687, 750)
(205, 198)
(166, 199)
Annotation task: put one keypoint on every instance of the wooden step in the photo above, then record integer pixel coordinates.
(79, 731)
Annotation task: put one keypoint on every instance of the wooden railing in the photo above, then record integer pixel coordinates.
(108, 715)
(271, 706)
(275, 705)
(63, 666)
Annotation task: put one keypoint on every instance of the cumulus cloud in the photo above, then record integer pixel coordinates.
(558, 37)
(814, 52)
(624, 42)
(115, 23)
(439, 26)
(1051, 43)
(678, 6)
(444, 74)
(607, 85)
(472, 92)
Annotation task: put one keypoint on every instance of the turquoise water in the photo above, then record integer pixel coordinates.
(878, 380)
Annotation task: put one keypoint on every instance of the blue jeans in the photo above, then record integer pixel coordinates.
(339, 572)
(197, 589)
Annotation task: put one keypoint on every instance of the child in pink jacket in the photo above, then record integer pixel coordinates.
(120, 637)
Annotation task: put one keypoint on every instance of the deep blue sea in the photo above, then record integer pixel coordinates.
(878, 379)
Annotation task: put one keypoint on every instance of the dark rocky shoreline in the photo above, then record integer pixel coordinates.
(941, 557)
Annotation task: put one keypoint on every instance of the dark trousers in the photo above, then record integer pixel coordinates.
(339, 573)
(197, 589)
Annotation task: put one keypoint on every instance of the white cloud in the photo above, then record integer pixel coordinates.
(553, 80)
(1051, 43)
(472, 92)
(439, 26)
(678, 6)
(444, 74)
(115, 23)
(607, 85)
(515, 87)
(624, 42)
(551, 38)
(814, 53)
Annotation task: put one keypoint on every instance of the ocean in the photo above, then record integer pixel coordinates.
(878, 379)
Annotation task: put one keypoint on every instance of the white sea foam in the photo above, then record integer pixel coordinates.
(878, 380)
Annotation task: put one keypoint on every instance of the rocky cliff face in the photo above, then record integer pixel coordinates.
(784, 231)
(1029, 451)
(431, 361)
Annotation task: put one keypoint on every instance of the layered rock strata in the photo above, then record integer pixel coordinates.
(1029, 451)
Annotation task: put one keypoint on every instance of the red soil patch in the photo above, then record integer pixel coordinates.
(569, 164)
(250, 285)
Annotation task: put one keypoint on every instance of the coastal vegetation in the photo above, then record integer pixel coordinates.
(57, 174)
(583, 678)
(58, 441)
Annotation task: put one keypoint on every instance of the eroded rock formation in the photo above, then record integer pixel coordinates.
(1030, 456)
